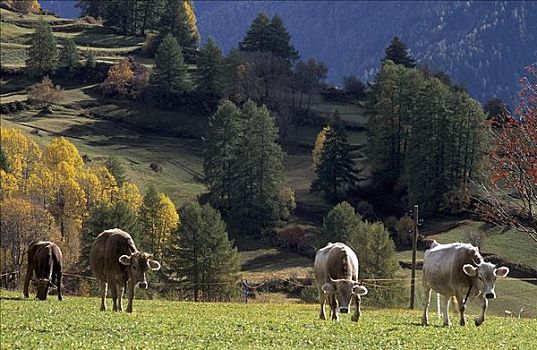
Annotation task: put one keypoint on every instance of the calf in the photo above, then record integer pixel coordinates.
(458, 270)
(115, 261)
(336, 273)
(44, 267)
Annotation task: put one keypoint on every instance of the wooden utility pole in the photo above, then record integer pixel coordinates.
(414, 247)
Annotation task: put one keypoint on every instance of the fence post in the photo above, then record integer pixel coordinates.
(414, 247)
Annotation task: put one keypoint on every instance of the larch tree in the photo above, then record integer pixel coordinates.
(336, 170)
(220, 146)
(170, 74)
(70, 57)
(117, 169)
(43, 53)
(397, 52)
(201, 255)
(210, 71)
(179, 20)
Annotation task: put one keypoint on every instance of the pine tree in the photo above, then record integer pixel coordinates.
(179, 20)
(335, 172)
(266, 35)
(201, 254)
(210, 72)
(170, 75)
(105, 217)
(117, 169)
(70, 58)
(220, 145)
(256, 197)
(280, 41)
(43, 52)
(257, 36)
(397, 52)
(148, 218)
(90, 59)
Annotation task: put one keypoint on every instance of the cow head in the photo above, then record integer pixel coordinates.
(342, 291)
(41, 287)
(137, 265)
(484, 276)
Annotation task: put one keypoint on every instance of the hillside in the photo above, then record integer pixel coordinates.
(77, 323)
(483, 45)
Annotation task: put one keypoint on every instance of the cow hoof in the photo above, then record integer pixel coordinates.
(129, 311)
(355, 318)
(463, 323)
(447, 324)
(478, 322)
(322, 317)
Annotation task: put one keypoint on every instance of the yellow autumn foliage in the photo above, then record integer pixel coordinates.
(319, 145)
(131, 195)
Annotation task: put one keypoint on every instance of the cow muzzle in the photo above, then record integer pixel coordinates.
(344, 310)
(142, 285)
(490, 295)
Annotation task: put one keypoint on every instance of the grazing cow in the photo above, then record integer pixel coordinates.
(458, 270)
(336, 273)
(115, 261)
(44, 267)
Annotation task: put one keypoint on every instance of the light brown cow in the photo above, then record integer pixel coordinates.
(336, 273)
(115, 261)
(44, 268)
(458, 270)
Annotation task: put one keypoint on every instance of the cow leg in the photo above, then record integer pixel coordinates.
(426, 303)
(357, 312)
(333, 305)
(120, 296)
(131, 295)
(27, 279)
(322, 300)
(484, 305)
(59, 284)
(447, 300)
(113, 290)
(104, 287)
(462, 309)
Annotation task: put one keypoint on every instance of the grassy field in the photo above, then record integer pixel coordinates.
(77, 323)
(102, 41)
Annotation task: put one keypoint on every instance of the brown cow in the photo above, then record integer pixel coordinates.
(115, 261)
(337, 260)
(44, 266)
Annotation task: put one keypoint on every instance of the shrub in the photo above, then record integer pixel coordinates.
(402, 227)
(309, 294)
(44, 93)
(293, 235)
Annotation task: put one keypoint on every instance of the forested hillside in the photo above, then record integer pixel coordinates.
(484, 45)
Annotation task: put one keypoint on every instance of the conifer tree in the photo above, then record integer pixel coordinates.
(170, 75)
(90, 59)
(210, 72)
(257, 36)
(201, 254)
(148, 217)
(179, 20)
(280, 41)
(256, 197)
(266, 35)
(43, 52)
(339, 224)
(335, 171)
(70, 57)
(117, 169)
(220, 145)
(397, 52)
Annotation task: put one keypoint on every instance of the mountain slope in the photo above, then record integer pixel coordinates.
(484, 45)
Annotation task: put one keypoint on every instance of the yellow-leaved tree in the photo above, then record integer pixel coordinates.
(318, 148)
(22, 153)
